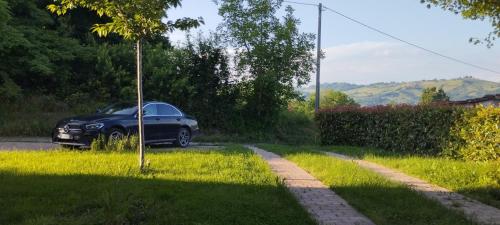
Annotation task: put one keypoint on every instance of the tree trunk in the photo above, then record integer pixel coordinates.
(140, 121)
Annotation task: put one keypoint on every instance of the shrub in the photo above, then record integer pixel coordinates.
(469, 133)
(476, 135)
(290, 127)
(127, 143)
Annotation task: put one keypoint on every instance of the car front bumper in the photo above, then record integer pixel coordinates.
(78, 138)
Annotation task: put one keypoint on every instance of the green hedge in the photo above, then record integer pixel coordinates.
(469, 133)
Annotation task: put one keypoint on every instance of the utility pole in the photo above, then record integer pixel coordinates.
(318, 59)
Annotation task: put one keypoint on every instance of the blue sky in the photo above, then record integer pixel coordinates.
(357, 55)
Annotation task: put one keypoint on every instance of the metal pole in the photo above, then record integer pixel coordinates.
(318, 60)
(140, 121)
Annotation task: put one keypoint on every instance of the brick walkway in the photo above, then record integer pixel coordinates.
(322, 203)
(473, 209)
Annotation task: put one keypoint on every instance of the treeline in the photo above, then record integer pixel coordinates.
(46, 55)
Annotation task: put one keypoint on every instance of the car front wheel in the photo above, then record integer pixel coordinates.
(115, 134)
(183, 138)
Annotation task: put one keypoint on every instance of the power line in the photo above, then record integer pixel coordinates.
(409, 43)
(401, 40)
(302, 3)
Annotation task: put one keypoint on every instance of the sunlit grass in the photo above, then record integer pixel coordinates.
(479, 180)
(383, 201)
(184, 186)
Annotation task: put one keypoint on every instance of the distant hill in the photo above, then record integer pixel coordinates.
(409, 92)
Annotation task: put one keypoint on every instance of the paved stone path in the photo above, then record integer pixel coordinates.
(22, 146)
(473, 209)
(322, 203)
(26, 143)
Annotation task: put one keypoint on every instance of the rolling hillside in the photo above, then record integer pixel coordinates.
(409, 92)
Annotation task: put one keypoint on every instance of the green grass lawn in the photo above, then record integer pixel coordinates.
(231, 186)
(383, 201)
(478, 180)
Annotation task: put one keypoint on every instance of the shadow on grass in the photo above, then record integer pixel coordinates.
(91, 199)
(362, 152)
(168, 147)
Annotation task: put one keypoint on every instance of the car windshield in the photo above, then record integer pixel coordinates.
(120, 109)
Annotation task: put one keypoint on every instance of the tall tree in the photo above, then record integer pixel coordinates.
(474, 10)
(432, 94)
(210, 78)
(272, 55)
(133, 20)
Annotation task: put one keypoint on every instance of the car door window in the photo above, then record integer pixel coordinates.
(167, 110)
(150, 110)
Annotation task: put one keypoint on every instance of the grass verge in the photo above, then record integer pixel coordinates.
(187, 186)
(383, 201)
(478, 180)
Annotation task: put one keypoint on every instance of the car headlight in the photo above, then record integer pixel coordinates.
(94, 126)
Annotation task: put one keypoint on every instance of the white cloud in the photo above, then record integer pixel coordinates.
(369, 62)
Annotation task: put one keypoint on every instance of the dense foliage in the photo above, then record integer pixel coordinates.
(470, 133)
(476, 135)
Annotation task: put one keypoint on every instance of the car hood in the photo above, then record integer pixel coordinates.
(95, 118)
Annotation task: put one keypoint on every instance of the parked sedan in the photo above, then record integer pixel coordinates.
(163, 123)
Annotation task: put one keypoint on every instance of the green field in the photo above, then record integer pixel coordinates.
(383, 201)
(188, 186)
(479, 180)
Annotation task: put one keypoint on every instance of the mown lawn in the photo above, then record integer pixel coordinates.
(188, 186)
(383, 201)
(478, 180)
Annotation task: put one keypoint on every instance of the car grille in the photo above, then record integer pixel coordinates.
(70, 128)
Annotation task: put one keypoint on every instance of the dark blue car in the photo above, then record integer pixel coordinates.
(163, 123)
